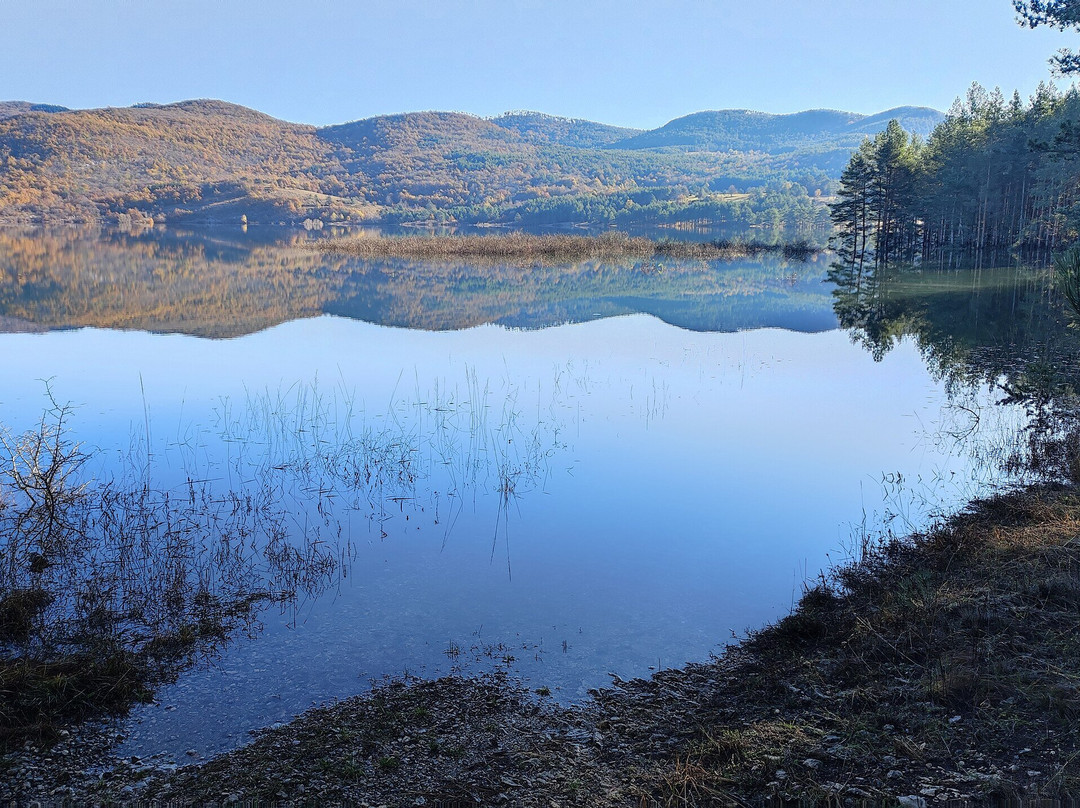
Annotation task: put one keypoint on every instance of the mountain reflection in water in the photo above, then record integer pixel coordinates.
(230, 284)
(519, 476)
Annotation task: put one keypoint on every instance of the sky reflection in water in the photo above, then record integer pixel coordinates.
(669, 488)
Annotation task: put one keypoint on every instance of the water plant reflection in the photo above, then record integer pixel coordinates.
(110, 586)
(324, 452)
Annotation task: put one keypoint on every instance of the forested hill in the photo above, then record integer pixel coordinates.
(160, 160)
(541, 128)
(215, 161)
(9, 108)
(746, 130)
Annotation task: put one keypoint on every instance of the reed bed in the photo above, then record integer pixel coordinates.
(550, 248)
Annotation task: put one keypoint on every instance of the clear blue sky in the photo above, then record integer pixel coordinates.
(617, 61)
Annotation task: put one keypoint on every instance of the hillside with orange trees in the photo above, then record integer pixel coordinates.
(214, 161)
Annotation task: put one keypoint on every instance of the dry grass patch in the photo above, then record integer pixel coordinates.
(525, 247)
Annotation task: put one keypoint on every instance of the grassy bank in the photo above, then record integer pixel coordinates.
(945, 667)
(548, 248)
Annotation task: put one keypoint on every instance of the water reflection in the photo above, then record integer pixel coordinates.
(1005, 329)
(973, 326)
(611, 494)
(226, 285)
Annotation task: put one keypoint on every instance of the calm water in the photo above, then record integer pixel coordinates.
(578, 471)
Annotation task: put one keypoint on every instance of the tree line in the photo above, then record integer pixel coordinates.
(997, 179)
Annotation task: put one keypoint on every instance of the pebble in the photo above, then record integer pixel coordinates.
(911, 801)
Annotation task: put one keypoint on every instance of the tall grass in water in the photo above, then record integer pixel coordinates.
(328, 454)
(516, 246)
(109, 587)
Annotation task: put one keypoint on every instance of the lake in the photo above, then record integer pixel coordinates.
(563, 471)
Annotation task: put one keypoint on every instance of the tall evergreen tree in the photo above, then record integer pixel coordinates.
(873, 214)
(851, 212)
(995, 179)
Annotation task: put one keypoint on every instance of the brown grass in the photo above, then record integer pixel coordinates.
(516, 247)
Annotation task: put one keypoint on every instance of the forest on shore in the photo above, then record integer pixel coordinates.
(998, 179)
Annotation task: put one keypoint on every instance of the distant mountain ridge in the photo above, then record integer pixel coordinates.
(216, 161)
(747, 130)
(10, 108)
(540, 126)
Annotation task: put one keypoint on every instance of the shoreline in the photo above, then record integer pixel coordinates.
(943, 667)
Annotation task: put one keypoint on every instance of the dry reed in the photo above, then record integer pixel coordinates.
(551, 247)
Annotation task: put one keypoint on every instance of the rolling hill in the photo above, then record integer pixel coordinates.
(746, 130)
(214, 161)
(542, 128)
(10, 108)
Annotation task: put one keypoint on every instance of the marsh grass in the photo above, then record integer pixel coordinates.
(421, 456)
(517, 247)
(111, 586)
